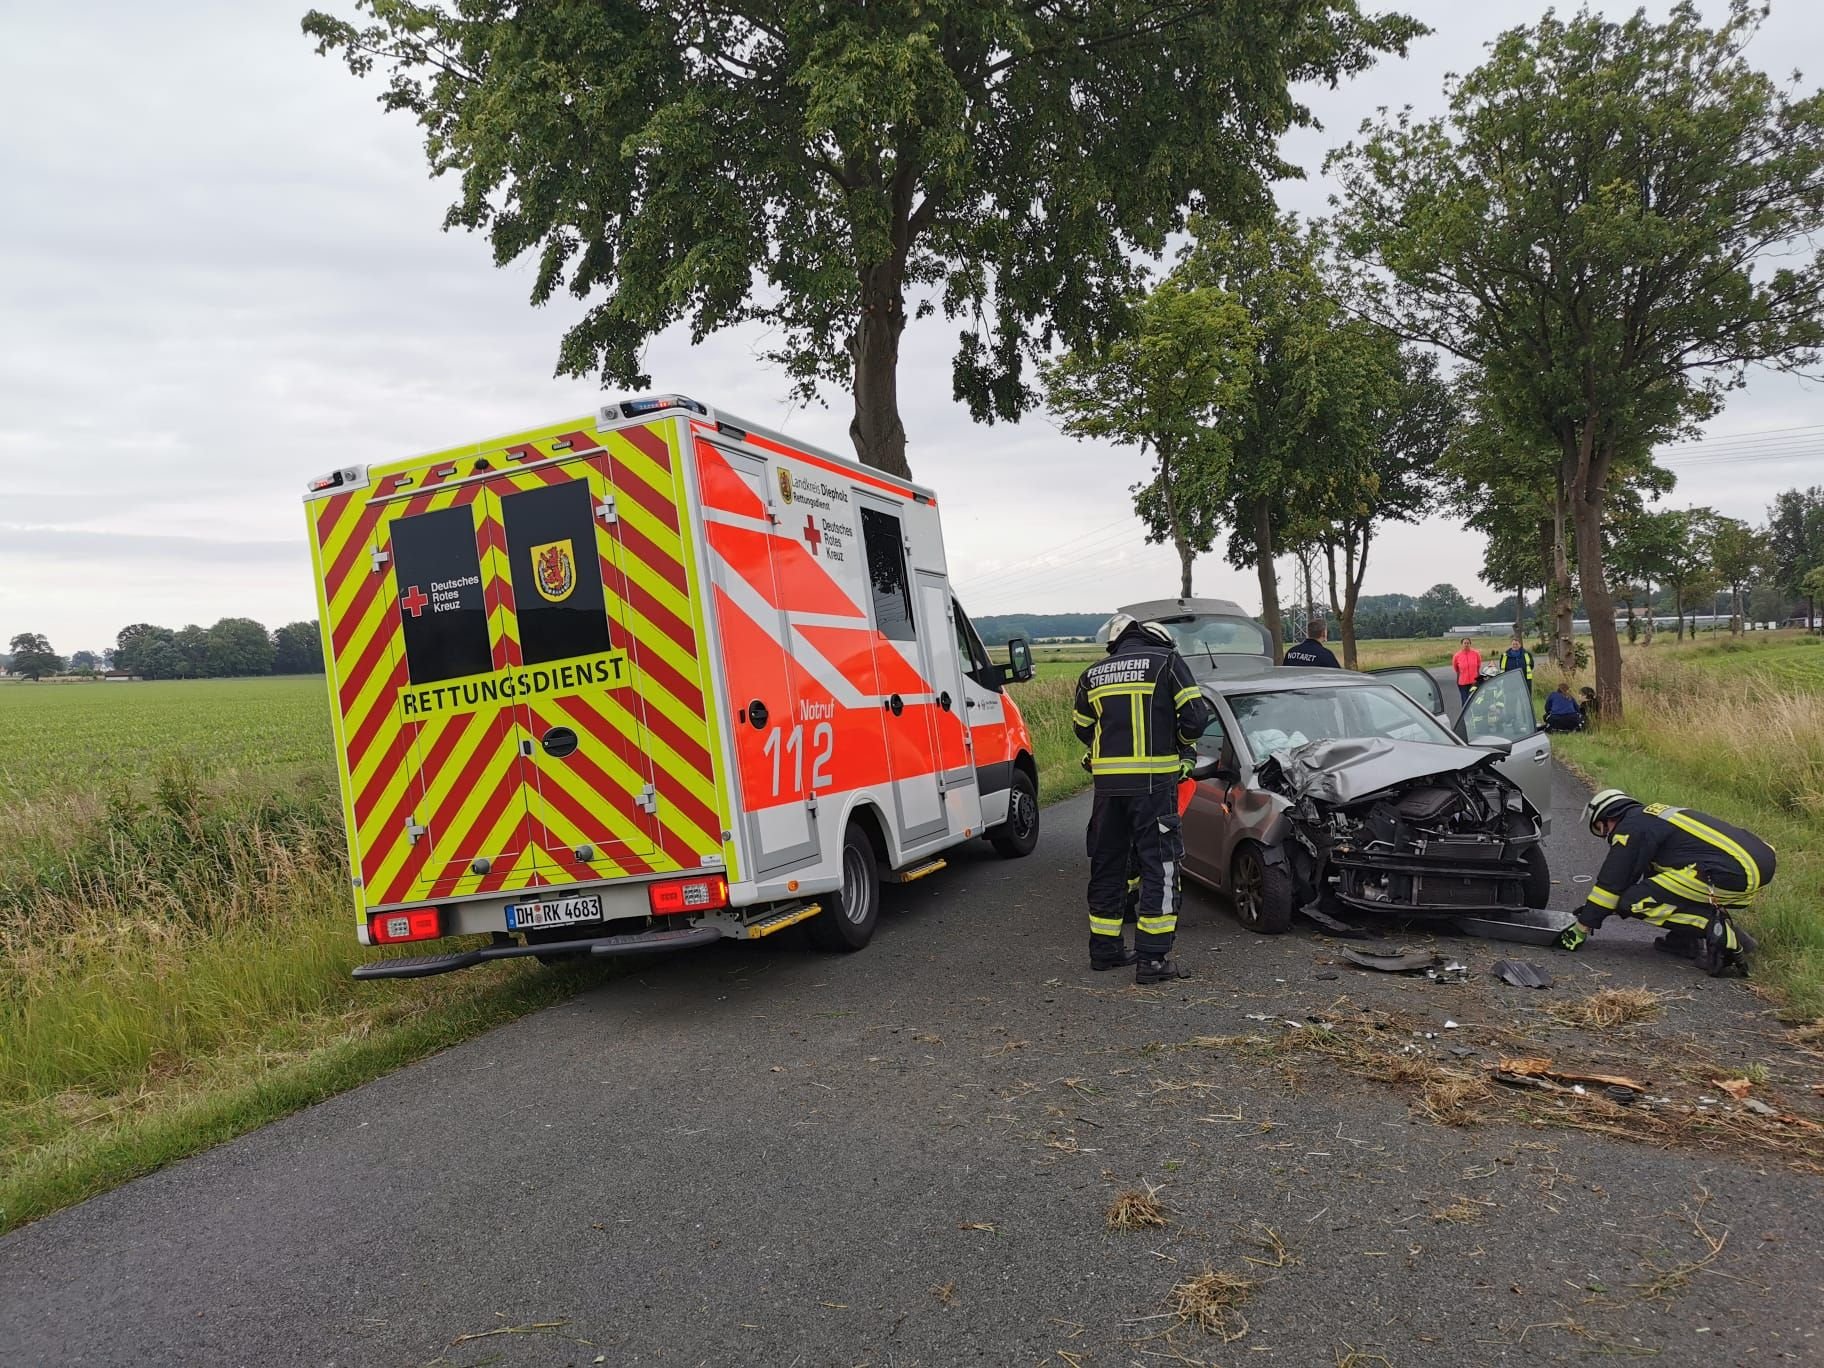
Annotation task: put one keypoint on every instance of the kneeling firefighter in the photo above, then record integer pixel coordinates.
(1677, 868)
(1138, 711)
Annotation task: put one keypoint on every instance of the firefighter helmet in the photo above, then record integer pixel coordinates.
(1121, 624)
(1607, 804)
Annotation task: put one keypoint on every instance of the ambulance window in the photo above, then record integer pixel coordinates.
(440, 603)
(887, 575)
(557, 579)
(968, 641)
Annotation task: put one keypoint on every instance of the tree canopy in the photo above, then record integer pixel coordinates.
(810, 165)
(1161, 387)
(1610, 222)
(32, 656)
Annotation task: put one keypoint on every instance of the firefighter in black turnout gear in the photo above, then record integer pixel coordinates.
(1138, 711)
(1677, 868)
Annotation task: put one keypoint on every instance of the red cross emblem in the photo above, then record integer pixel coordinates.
(414, 601)
(813, 538)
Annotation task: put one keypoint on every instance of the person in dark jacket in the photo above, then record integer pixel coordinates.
(1677, 868)
(1138, 711)
(1517, 657)
(1312, 651)
(1561, 711)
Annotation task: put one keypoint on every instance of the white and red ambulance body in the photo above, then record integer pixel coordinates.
(648, 679)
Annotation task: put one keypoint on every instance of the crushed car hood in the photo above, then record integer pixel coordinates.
(1349, 770)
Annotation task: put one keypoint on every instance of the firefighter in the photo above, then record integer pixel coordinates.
(1138, 711)
(1677, 868)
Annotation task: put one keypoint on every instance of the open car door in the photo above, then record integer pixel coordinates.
(1418, 684)
(1501, 709)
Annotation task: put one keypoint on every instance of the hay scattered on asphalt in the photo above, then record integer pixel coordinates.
(1212, 1302)
(1350, 1357)
(1136, 1210)
(1452, 1099)
(1263, 1236)
(1608, 1009)
(945, 1293)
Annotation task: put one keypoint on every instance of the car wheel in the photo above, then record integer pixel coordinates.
(1538, 886)
(1261, 892)
(848, 919)
(1019, 834)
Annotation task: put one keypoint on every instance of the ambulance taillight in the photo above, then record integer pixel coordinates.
(702, 894)
(392, 927)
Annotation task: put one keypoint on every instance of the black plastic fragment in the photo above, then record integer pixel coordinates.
(1521, 974)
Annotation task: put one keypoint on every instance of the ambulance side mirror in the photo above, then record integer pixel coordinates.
(1019, 660)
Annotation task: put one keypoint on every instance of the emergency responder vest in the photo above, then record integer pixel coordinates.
(1138, 710)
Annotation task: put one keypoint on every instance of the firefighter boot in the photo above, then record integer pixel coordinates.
(1159, 971)
(1721, 949)
(1109, 952)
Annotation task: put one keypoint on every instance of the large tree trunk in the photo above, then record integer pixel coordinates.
(1564, 645)
(878, 434)
(1180, 543)
(1269, 579)
(1589, 462)
(1186, 554)
(1646, 628)
(1678, 596)
(1355, 570)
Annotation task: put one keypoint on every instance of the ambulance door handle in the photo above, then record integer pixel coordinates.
(895, 705)
(943, 701)
(754, 714)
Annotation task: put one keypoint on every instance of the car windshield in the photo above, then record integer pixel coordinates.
(1284, 718)
(1199, 636)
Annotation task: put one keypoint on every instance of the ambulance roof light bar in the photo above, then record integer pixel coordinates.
(639, 408)
(349, 477)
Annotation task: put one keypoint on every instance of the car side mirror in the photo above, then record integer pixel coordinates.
(1019, 660)
(1207, 768)
(1500, 745)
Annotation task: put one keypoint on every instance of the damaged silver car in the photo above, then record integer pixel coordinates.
(1326, 789)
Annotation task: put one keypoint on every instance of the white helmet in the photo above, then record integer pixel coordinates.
(1604, 805)
(1121, 623)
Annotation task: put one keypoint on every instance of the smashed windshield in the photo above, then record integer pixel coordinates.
(1286, 718)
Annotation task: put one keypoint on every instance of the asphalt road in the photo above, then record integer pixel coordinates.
(764, 1155)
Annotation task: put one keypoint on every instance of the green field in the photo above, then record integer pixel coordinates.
(176, 934)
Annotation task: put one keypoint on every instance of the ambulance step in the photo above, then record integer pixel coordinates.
(914, 872)
(640, 943)
(778, 921)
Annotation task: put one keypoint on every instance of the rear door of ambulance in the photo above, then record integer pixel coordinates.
(548, 704)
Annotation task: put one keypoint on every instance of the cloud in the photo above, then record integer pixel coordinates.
(222, 271)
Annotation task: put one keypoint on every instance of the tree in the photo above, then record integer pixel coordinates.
(237, 646)
(148, 651)
(1274, 434)
(33, 656)
(1795, 541)
(808, 163)
(1185, 361)
(1813, 585)
(1603, 223)
(192, 644)
(85, 660)
(1690, 572)
(1401, 423)
(1737, 553)
(1442, 607)
(297, 648)
(1641, 547)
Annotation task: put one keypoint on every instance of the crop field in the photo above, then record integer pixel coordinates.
(90, 735)
(176, 934)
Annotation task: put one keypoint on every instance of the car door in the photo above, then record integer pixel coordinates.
(1502, 709)
(1417, 683)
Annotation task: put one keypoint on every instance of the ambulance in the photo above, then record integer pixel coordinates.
(649, 679)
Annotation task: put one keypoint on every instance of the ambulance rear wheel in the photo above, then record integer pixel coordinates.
(848, 918)
(1019, 834)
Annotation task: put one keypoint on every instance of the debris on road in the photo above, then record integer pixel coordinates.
(1399, 962)
(1135, 1209)
(1212, 1302)
(1608, 1008)
(1735, 1087)
(1521, 974)
(1535, 1067)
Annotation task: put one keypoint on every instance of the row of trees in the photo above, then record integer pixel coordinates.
(233, 646)
(1604, 231)
(1612, 220)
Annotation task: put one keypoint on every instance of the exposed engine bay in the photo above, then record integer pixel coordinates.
(1411, 829)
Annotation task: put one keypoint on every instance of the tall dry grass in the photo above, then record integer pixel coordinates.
(1046, 703)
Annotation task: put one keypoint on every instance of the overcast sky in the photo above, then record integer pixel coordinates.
(222, 271)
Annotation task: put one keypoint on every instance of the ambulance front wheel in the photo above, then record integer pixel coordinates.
(1019, 834)
(848, 920)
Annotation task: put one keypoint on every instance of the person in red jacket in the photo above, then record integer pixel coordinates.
(1468, 665)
